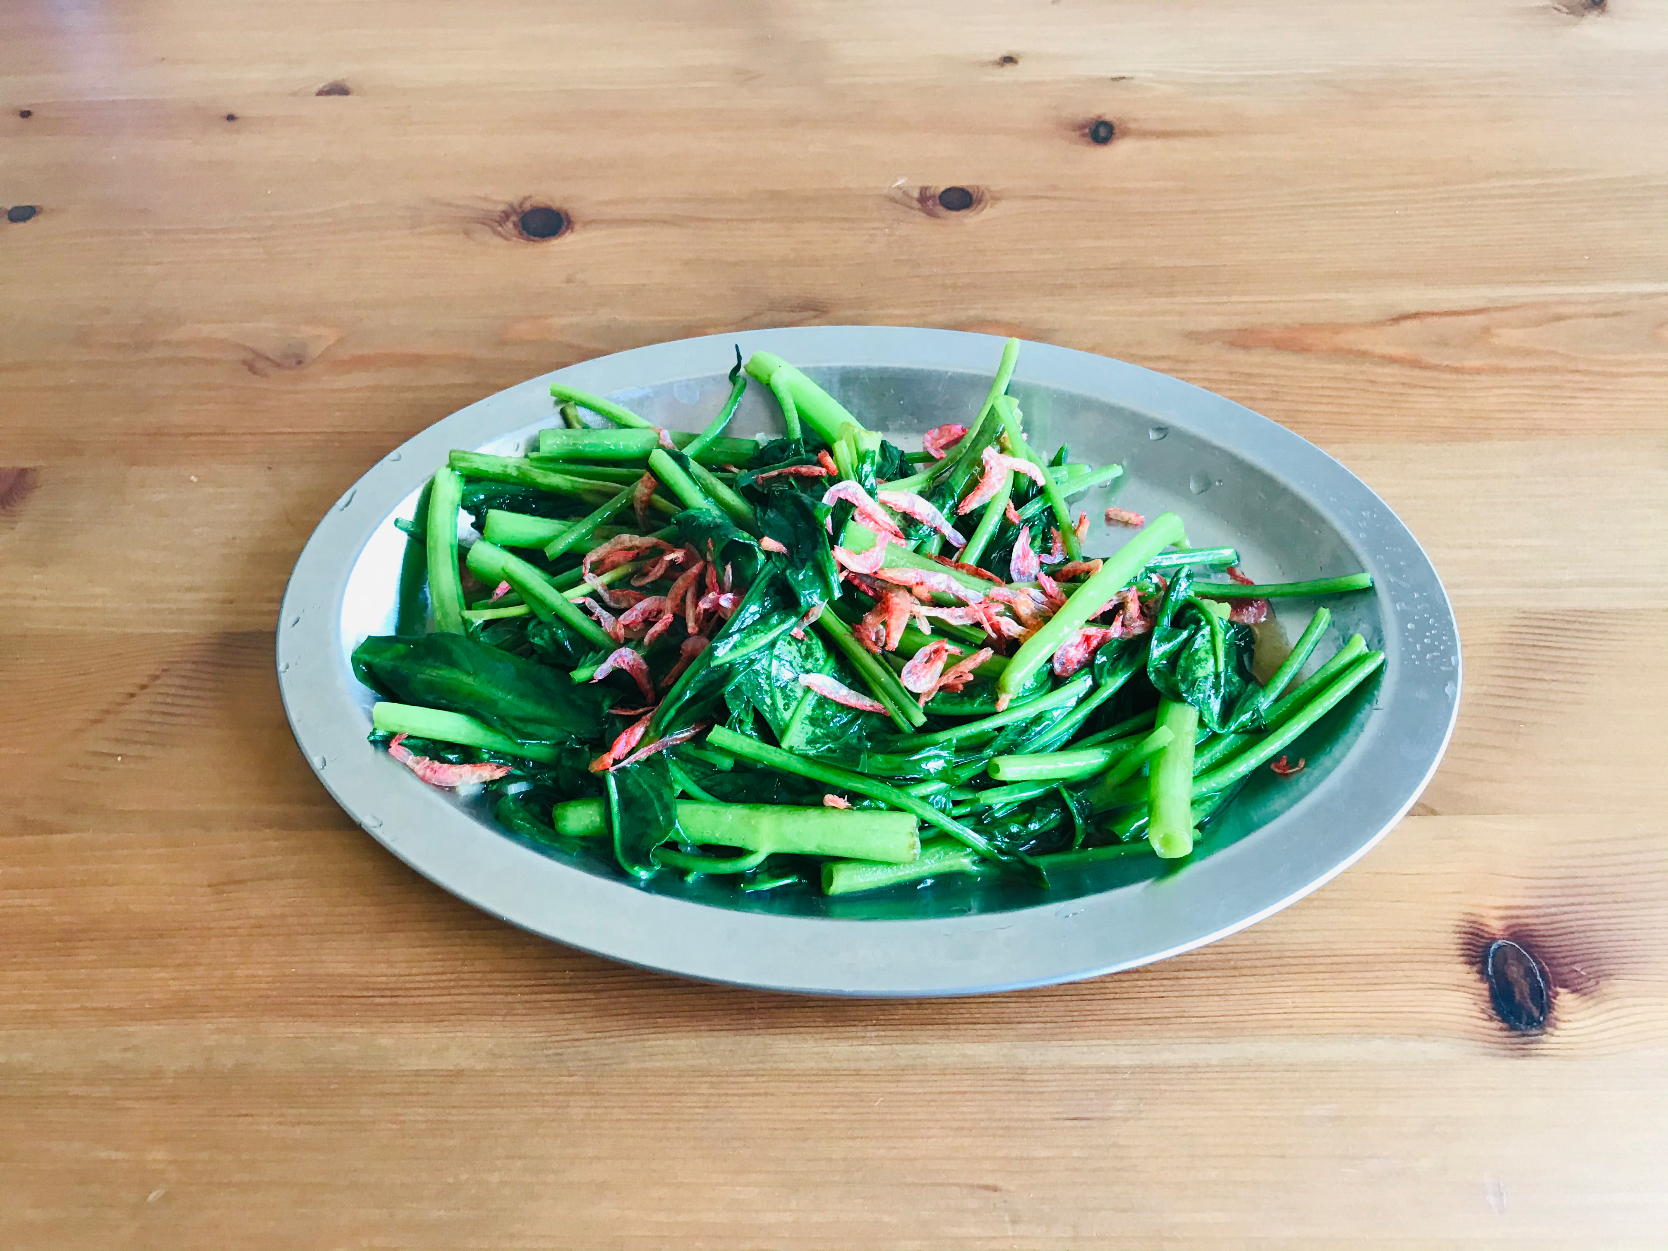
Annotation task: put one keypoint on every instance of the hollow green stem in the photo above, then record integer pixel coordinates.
(615, 447)
(1004, 375)
(1063, 766)
(453, 727)
(678, 482)
(989, 520)
(845, 779)
(1123, 729)
(1354, 647)
(738, 509)
(581, 535)
(1087, 600)
(709, 437)
(569, 414)
(616, 413)
(1008, 411)
(492, 564)
(811, 404)
(891, 837)
(1195, 556)
(441, 539)
(881, 681)
(1070, 693)
(1287, 590)
(1127, 763)
(1263, 749)
(518, 471)
(938, 857)
(1170, 783)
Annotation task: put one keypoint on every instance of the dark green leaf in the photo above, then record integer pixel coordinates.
(1200, 657)
(480, 496)
(791, 519)
(529, 701)
(642, 812)
(730, 547)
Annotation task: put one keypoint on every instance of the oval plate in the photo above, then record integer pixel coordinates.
(1234, 477)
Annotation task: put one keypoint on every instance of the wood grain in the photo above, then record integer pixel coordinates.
(270, 242)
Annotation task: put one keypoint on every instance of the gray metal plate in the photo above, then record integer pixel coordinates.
(1233, 476)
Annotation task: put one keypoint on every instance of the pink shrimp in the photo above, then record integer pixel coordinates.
(662, 624)
(1077, 569)
(1081, 525)
(685, 597)
(665, 439)
(620, 549)
(613, 598)
(827, 462)
(862, 562)
(1055, 597)
(963, 671)
(835, 801)
(1056, 548)
(924, 670)
(1079, 649)
(1124, 517)
(912, 505)
(1246, 611)
(991, 480)
(661, 744)
(828, 688)
(659, 566)
(972, 571)
(439, 773)
(639, 616)
(640, 495)
(1012, 514)
(793, 471)
(1285, 770)
(626, 740)
(610, 624)
(868, 512)
(809, 618)
(929, 582)
(771, 545)
(626, 660)
(938, 441)
(883, 625)
(1026, 603)
(1024, 565)
(691, 647)
(499, 591)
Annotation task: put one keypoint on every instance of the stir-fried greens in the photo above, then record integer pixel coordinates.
(822, 660)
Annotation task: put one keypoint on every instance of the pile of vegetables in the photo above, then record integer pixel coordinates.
(822, 661)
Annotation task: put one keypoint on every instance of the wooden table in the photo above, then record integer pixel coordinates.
(255, 246)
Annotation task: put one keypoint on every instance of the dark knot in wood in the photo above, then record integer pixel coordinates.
(16, 485)
(21, 212)
(541, 222)
(334, 88)
(1100, 131)
(1517, 987)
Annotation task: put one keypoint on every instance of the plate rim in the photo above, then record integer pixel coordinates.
(1047, 943)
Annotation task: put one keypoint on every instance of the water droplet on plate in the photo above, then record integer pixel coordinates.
(1155, 433)
(1200, 483)
(320, 761)
(371, 823)
(284, 668)
(347, 499)
(295, 621)
(393, 455)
